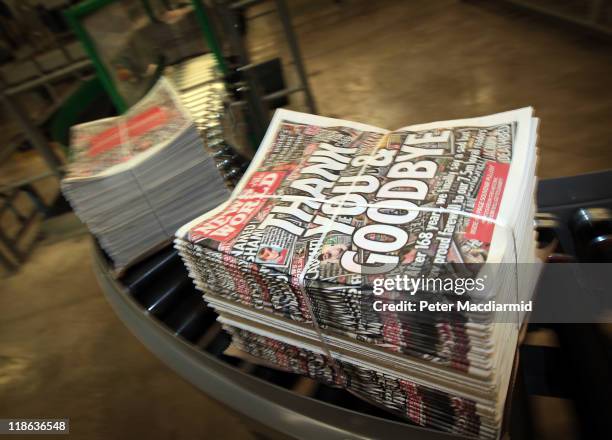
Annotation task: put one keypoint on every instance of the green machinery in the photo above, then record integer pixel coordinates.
(130, 42)
(125, 40)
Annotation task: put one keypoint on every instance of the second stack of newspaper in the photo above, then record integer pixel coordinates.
(331, 211)
(136, 178)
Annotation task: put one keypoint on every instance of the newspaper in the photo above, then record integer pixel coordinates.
(134, 179)
(107, 146)
(340, 202)
(424, 406)
(329, 207)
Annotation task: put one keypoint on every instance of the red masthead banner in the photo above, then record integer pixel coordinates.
(135, 126)
(229, 222)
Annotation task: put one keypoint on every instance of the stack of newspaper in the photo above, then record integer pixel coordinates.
(136, 178)
(202, 92)
(339, 232)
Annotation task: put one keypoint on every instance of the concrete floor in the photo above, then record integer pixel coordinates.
(63, 352)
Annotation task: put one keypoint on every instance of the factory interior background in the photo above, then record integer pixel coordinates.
(389, 63)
